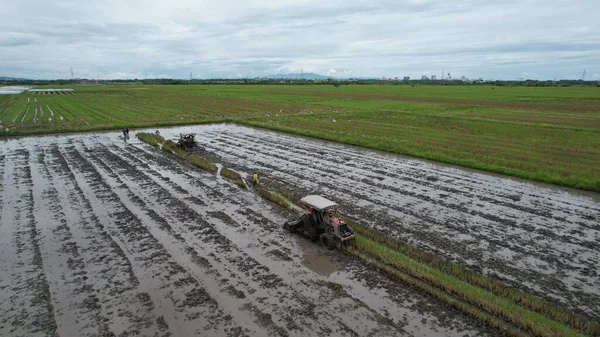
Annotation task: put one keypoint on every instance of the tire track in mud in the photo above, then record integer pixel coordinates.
(76, 308)
(411, 170)
(155, 273)
(181, 305)
(2, 163)
(270, 249)
(544, 242)
(195, 225)
(25, 299)
(414, 174)
(115, 304)
(239, 265)
(425, 220)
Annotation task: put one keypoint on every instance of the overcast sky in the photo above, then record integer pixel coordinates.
(503, 39)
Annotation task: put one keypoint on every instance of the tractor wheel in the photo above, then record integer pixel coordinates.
(327, 241)
(290, 226)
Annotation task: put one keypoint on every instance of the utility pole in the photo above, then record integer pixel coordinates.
(583, 76)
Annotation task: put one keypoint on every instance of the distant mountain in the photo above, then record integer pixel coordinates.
(297, 76)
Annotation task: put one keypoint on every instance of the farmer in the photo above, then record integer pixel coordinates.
(255, 178)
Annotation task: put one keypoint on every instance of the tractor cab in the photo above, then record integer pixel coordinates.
(324, 215)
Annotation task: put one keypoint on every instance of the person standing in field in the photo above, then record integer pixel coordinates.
(255, 178)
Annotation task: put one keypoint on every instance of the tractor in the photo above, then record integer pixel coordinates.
(321, 221)
(186, 141)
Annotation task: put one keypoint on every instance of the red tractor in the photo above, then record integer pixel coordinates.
(321, 221)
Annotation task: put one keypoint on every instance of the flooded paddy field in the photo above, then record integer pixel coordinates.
(537, 237)
(101, 237)
(13, 89)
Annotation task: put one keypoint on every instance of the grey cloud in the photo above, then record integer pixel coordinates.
(232, 38)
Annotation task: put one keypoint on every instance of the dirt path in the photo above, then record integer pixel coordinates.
(101, 237)
(538, 237)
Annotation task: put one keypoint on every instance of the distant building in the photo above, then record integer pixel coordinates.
(424, 77)
(433, 77)
(407, 78)
(463, 78)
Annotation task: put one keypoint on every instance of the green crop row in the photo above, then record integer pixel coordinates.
(274, 197)
(535, 323)
(233, 176)
(498, 288)
(201, 162)
(150, 138)
(442, 296)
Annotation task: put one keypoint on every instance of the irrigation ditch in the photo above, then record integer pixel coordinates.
(511, 311)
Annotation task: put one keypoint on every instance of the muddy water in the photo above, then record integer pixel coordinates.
(538, 237)
(103, 237)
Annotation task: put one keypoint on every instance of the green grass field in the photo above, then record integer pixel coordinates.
(542, 133)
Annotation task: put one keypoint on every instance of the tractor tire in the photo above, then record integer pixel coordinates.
(327, 241)
(290, 226)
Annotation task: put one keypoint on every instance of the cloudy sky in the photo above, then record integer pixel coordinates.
(501, 39)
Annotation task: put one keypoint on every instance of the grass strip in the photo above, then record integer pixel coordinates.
(202, 162)
(535, 323)
(151, 138)
(181, 152)
(170, 146)
(469, 309)
(533, 303)
(233, 177)
(275, 198)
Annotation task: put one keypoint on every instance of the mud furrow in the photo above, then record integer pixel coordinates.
(441, 204)
(410, 170)
(278, 292)
(2, 163)
(24, 291)
(75, 304)
(121, 307)
(135, 242)
(233, 219)
(184, 305)
(499, 226)
(418, 176)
